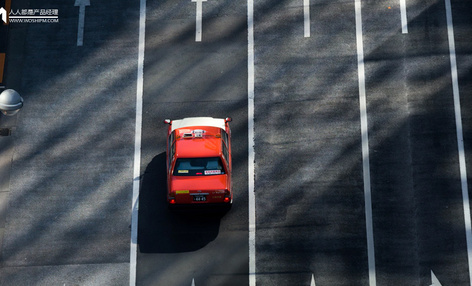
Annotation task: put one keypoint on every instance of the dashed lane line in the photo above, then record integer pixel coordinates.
(404, 20)
(306, 14)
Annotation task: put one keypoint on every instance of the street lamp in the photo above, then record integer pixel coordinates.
(10, 102)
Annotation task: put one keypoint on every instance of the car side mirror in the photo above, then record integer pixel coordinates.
(167, 121)
(228, 119)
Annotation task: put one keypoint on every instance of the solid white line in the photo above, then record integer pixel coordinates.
(403, 17)
(306, 12)
(460, 139)
(251, 143)
(137, 145)
(365, 145)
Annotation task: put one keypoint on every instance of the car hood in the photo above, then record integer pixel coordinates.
(213, 182)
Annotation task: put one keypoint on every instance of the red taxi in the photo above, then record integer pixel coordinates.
(199, 161)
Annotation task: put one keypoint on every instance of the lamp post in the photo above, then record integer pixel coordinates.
(10, 102)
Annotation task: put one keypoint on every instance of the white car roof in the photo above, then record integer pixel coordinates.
(198, 121)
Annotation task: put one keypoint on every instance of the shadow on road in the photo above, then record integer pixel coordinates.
(163, 231)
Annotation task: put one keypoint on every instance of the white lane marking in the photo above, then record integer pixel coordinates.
(198, 20)
(460, 138)
(365, 145)
(312, 280)
(137, 145)
(434, 280)
(403, 17)
(193, 282)
(306, 12)
(80, 31)
(251, 143)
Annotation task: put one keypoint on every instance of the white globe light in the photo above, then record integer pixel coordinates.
(10, 102)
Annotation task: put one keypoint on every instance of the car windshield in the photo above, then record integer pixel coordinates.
(198, 167)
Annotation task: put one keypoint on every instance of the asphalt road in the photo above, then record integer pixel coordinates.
(65, 198)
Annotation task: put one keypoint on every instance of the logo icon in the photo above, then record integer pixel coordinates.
(3, 13)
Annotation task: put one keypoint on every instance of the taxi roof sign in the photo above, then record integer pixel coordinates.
(198, 121)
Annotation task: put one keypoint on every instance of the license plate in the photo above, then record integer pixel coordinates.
(199, 198)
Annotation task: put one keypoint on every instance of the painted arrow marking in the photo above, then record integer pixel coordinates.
(312, 280)
(434, 280)
(198, 28)
(80, 32)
